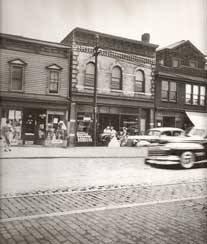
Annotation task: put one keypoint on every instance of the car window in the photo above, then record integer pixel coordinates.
(177, 133)
(153, 133)
(166, 133)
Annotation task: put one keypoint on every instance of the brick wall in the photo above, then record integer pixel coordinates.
(36, 74)
(105, 65)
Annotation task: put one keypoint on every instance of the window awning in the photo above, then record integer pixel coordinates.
(198, 119)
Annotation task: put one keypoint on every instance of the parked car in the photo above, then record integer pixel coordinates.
(186, 151)
(154, 136)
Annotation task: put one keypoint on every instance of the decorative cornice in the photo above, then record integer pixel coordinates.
(37, 48)
(114, 54)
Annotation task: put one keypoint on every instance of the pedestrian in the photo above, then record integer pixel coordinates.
(113, 132)
(7, 132)
(123, 139)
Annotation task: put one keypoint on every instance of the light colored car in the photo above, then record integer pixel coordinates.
(155, 135)
(186, 151)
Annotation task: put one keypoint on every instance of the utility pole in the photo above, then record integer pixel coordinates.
(96, 53)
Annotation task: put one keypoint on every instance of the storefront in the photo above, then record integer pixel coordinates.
(135, 120)
(36, 126)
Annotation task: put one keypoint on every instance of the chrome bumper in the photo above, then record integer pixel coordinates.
(165, 160)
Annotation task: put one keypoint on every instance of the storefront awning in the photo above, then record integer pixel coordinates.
(198, 119)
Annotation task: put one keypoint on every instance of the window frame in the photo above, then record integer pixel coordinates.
(89, 78)
(168, 91)
(117, 82)
(176, 59)
(142, 82)
(56, 69)
(193, 95)
(17, 63)
(195, 64)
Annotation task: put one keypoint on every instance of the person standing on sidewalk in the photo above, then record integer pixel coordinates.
(6, 134)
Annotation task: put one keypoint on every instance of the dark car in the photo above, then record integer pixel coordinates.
(186, 151)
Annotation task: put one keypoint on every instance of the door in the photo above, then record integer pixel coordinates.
(33, 126)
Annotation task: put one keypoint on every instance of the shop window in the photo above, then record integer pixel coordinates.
(139, 81)
(84, 127)
(116, 79)
(169, 91)
(15, 118)
(54, 78)
(17, 67)
(90, 74)
(56, 128)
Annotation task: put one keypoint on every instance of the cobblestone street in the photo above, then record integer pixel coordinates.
(174, 213)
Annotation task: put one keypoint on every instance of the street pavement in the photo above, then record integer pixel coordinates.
(154, 214)
(96, 196)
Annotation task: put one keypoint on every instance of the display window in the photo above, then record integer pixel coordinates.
(56, 127)
(15, 118)
(84, 127)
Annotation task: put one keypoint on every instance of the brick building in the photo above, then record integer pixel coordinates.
(181, 86)
(125, 83)
(34, 88)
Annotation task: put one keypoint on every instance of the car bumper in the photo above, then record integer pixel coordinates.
(163, 160)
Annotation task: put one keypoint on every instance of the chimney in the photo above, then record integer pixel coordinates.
(146, 37)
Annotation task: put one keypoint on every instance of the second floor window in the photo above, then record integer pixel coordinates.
(175, 62)
(116, 79)
(193, 64)
(90, 74)
(195, 94)
(54, 81)
(17, 78)
(169, 91)
(139, 81)
(54, 78)
(17, 68)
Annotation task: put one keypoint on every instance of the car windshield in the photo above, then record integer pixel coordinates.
(198, 132)
(153, 133)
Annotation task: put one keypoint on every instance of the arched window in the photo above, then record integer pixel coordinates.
(116, 80)
(90, 74)
(139, 81)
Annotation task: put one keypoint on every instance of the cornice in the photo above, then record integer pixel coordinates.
(115, 54)
(36, 48)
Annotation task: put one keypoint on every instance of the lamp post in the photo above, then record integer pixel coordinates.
(96, 53)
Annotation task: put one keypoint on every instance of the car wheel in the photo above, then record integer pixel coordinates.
(187, 160)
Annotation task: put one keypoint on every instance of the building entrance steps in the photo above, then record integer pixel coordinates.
(73, 152)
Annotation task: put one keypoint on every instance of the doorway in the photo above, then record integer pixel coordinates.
(34, 126)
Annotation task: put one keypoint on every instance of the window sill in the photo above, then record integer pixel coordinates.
(168, 101)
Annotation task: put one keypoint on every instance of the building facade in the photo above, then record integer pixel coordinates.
(125, 83)
(34, 89)
(181, 85)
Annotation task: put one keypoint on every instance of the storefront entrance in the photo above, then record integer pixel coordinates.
(34, 126)
(118, 121)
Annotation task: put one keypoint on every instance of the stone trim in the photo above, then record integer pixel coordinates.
(114, 54)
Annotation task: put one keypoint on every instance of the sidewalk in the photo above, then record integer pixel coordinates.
(72, 152)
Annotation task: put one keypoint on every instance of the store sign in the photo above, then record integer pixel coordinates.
(87, 118)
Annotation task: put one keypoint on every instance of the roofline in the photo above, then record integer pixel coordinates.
(181, 43)
(111, 36)
(31, 40)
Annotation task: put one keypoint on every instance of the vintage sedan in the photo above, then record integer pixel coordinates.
(186, 151)
(155, 135)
